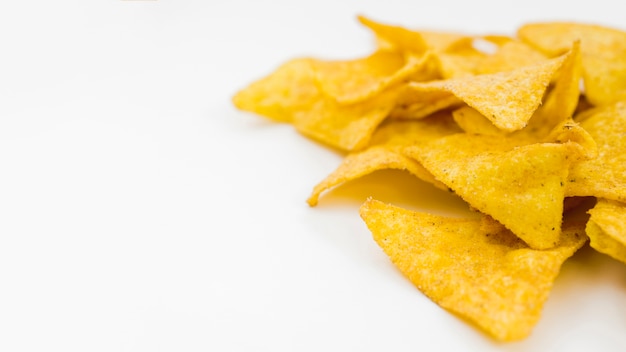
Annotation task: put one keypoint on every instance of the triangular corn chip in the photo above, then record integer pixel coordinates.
(606, 228)
(605, 175)
(490, 278)
(385, 153)
(395, 36)
(520, 186)
(357, 80)
(290, 88)
(603, 54)
(346, 127)
(507, 99)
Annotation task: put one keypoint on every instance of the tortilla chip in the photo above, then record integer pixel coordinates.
(490, 278)
(473, 122)
(385, 153)
(520, 186)
(375, 158)
(507, 99)
(607, 228)
(346, 127)
(357, 80)
(395, 36)
(279, 95)
(605, 175)
(603, 54)
(561, 101)
(509, 55)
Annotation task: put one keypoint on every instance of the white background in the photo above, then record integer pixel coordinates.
(139, 211)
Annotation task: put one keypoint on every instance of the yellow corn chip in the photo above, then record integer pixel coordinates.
(521, 187)
(508, 99)
(490, 278)
(395, 36)
(603, 54)
(417, 106)
(385, 153)
(346, 127)
(290, 88)
(509, 55)
(375, 158)
(357, 80)
(607, 228)
(473, 122)
(605, 175)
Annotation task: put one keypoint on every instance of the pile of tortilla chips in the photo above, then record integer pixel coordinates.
(523, 128)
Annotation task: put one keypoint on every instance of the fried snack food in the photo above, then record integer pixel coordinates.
(503, 122)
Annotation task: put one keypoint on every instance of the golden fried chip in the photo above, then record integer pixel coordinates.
(509, 55)
(603, 54)
(357, 80)
(468, 59)
(290, 88)
(346, 127)
(417, 106)
(520, 186)
(571, 131)
(607, 228)
(461, 61)
(416, 41)
(396, 36)
(556, 109)
(446, 41)
(385, 153)
(411, 132)
(507, 99)
(473, 122)
(560, 102)
(605, 175)
(375, 158)
(490, 278)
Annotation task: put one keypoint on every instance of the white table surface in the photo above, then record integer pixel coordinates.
(139, 211)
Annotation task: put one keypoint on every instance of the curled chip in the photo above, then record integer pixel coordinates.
(491, 278)
(605, 175)
(603, 54)
(508, 99)
(385, 152)
(357, 80)
(290, 88)
(396, 37)
(607, 228)
(347, 127)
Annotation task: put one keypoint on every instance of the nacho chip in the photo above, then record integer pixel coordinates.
(473, 122)
(290, 88)
(357, 80)
(555, 111)
(385, 153)
(470, 58)
(375, 158)
(509, 55)
(490, 278)
(346, 127)
(395, 36)
(607, 228)
(507, 99)
(417, 106)
(520, 186)
(603, 54)
(605, 175)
